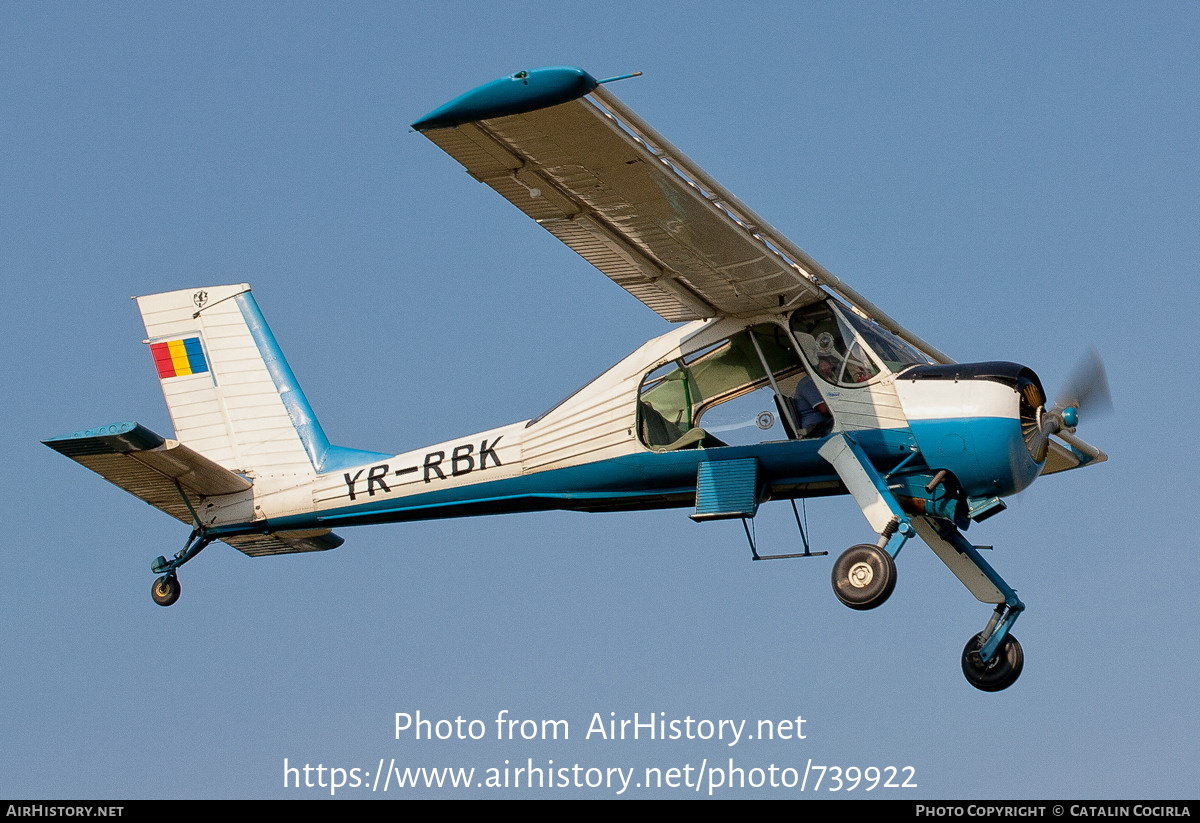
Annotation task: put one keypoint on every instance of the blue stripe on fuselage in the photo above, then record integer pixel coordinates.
(637, 481)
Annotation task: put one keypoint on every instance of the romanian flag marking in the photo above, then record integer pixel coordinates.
(176, 358)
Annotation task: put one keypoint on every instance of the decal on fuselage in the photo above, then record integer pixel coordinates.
(463, 459)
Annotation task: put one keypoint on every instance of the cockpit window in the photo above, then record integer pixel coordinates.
(846, 349)
(895, 353)
(675, 398)
(832, 347)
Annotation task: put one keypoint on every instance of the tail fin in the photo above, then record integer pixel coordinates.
(230, 392)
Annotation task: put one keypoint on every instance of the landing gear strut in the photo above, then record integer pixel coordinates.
(865, 575)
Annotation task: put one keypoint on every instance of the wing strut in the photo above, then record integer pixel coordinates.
(749, 220)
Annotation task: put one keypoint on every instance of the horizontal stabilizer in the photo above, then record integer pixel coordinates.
(161, 472)
(259, 545)
(147, 466)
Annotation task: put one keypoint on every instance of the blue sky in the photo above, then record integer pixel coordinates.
(1012, 181)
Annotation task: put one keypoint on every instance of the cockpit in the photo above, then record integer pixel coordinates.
(766, 382)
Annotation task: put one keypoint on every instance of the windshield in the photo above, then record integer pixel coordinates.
(895, 353)
(847, 350)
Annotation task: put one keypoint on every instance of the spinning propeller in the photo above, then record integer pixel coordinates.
(1087, 387)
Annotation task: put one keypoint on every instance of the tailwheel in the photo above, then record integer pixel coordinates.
(864, 577)
(1000, 672)
(165, 590)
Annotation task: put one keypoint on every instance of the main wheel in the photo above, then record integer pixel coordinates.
(1003, 669)
(864, 577)
(165, 590)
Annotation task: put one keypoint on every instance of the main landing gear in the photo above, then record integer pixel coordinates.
(865, 575)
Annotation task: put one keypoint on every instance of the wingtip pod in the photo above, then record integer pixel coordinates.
(520, 92)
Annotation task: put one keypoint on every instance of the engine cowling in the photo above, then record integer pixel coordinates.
(978, 421)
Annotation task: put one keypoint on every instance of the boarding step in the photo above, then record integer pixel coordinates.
(726, 489)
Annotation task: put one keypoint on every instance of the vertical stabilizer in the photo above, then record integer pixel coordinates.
(231, 395)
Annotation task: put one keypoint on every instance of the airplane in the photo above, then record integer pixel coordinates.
(780, 382)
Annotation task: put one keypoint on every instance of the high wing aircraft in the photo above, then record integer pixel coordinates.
(781, 383)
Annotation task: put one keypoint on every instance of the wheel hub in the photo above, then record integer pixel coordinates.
(860, 575)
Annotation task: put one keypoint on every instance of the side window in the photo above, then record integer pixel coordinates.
(665, 405)
(720, 395)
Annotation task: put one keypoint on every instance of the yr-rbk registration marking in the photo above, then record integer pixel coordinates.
(463, 459)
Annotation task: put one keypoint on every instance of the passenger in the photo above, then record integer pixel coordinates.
(814, 417)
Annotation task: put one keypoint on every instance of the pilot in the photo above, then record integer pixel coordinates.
(814, 417)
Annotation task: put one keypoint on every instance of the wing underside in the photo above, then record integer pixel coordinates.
(569, 154)
(620, 202)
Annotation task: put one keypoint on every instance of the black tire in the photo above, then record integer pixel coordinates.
(864, 577)
(997, 675)
(165, 590)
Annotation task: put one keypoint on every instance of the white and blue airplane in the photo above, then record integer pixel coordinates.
(783, 383)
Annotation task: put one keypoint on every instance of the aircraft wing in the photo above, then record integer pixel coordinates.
(569, 154)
